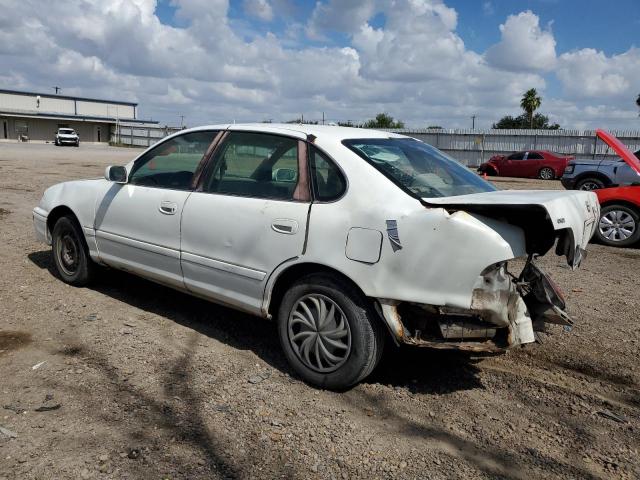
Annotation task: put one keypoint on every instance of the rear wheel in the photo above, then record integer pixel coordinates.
(70, 252)
(546, 173)
(589, 184)
(619, 226)
(329, 332)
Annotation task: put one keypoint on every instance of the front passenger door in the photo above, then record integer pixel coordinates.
(138, 224)
(511, 165)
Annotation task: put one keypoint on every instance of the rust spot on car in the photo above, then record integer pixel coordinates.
(13, 340)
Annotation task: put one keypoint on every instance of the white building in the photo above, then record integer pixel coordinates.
(37, 116)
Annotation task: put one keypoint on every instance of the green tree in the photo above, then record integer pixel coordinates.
(539, 121)
(383, 120)
(300, 120)
(638, 101)
(530, 103)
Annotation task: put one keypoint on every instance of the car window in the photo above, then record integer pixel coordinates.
(421, 170)
(255, 165)
(172, 163)
(328, 181)
(516, 156)
(535, 156)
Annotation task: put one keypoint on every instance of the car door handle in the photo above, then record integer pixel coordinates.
(168, 208)
(285, 225)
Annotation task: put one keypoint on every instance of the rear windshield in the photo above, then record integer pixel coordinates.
(420, 169)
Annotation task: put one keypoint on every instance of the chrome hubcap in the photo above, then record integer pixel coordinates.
(319, 333)
(589, 186)
(68, 254)
(546, 174)
(617, 225)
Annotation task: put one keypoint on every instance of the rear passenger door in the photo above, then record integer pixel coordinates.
(248, 216)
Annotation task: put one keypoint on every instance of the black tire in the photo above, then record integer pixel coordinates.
(70, 252)
(77, 144)
(56, 143)
(589, 184)
(607, 232)
(490, 171)
(365, 333)
(546, 173)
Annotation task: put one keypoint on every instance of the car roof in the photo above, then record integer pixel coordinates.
(302, 131)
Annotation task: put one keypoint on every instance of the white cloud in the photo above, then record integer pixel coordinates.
(415, 66)
(589, 73)
(339, 15)
(259, 9)
(523, 46)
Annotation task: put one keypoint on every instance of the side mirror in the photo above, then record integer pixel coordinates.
(116, 174)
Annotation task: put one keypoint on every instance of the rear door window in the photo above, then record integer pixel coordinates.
(255, 165)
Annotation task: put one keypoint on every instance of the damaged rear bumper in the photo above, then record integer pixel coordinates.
(505, 312)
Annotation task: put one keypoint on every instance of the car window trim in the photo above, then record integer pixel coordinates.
(157, 145)
(210, 165)
(314, 187)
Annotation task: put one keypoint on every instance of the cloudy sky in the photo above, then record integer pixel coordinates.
(427, 62)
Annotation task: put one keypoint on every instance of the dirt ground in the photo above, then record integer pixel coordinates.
(128, 379)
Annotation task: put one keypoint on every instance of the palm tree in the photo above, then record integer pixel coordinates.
(530, 103)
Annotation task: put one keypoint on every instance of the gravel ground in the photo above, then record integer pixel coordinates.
(128, 379)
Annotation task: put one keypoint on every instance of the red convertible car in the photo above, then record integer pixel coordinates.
(619, 223)
(530, 164)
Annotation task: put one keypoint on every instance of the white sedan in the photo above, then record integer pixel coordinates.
(346, 237)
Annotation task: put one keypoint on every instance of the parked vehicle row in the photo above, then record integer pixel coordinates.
(348, 238)
(619, 224)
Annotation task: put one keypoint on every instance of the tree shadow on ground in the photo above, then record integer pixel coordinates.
(181, 411)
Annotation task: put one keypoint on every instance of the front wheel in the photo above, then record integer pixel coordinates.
(70, 253)
(619, 226)
(329, 332)
(589, 184)
(546, 173)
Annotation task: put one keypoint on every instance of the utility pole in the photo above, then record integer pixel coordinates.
(57, 89)
(323, 118)
(181, 122)
(473, 122)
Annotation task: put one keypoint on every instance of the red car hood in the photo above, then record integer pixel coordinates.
(620, 149)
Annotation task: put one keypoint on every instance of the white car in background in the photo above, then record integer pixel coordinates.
(346, 237)
(67, 136)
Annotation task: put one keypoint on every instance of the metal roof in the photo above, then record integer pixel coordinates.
(67, 97)
(78, 118)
